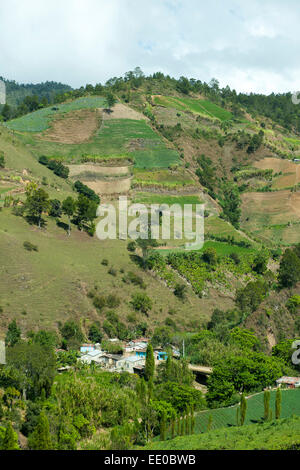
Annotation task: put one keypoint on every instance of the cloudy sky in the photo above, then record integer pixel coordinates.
(252, 45)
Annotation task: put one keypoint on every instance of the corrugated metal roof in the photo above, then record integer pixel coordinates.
(289, 380)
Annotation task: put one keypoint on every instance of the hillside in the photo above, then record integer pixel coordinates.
(231, 306)
(156, 145)
(16, 92)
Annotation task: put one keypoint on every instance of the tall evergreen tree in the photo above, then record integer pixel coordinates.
(243, 409)
(267, 396)
(209, 425)
(40, 439)
(278, 404)
(150, 363)
(163, 426)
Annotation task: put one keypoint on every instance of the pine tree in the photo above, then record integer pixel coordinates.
(278, 404)
(150, 363)
(267, 396)
(40, 439)
(10, 441)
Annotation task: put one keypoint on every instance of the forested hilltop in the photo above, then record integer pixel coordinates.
(230, 309)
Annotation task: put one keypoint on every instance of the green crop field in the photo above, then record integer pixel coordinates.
(163, 178)
(224, 249)
(131, 137)
(202, 107)
(148, 198)
(219, 227)
(226, 417)
(40, 120)
(275, 435)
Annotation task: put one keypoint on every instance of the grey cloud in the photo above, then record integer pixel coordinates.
(252, 46)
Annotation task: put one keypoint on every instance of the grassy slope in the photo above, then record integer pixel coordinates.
(116, 136)
(52, 284)
(67, 272)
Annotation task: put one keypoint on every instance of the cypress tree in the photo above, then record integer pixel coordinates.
(267, 396)
(173, 428)
(40, 439)
(181, 426)
(192, 419)
(278, 404)
(243, 409)
(238, 416)
(209, 425)
(187, 422)
(178, 426)
(150, 363)
(150, 390)
(163, 426)
(10, 440)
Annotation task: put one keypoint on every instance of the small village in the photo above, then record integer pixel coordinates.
(132, 360)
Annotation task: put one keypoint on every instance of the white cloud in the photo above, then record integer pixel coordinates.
(252, 46)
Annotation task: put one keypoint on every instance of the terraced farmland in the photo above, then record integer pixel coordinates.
(131, 137)
(148, 198)
(40, 120)
(162, 178)
(202, 107)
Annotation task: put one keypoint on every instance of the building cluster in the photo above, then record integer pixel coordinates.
(132, 360)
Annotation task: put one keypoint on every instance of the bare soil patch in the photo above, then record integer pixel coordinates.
(280, 206)
(113, 186)
(121, 111)
(77, 170)
(290, 171)
(73, 128)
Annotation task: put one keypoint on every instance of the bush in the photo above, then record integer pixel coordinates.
(86, 191)
(235, 258)
(112, 271)
(56, 166)
(2, 160)
(134, 279)
(99, 302)
(131, 247)
(112, 301)
(210, 256)
(141, 302)
(180, 291)
(30, 247)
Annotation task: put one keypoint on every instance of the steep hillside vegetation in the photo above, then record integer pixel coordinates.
(158, 141)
